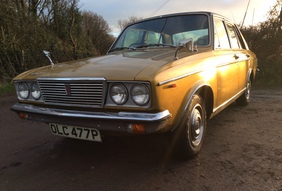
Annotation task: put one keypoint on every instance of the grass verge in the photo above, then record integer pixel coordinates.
(6, 89)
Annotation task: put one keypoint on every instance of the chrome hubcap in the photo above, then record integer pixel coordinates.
(197, 126)
(248, 91)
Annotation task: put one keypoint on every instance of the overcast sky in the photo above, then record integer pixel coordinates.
(114, 10)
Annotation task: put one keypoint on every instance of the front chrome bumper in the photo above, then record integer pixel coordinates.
(115, 122)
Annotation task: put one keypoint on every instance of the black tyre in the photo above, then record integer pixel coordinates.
(189, 137)
(244, 99)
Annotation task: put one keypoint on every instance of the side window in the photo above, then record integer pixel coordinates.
(235, 43)
(220, 37)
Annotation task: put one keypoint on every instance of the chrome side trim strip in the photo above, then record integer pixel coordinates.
(194, 72)
(228, 101)
(179, 77)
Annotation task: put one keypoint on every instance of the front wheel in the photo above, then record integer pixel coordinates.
(190, 135)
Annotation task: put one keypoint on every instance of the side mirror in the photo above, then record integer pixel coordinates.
(188, 45)
(47, 54)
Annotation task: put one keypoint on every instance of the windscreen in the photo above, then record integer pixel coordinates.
(167, 30)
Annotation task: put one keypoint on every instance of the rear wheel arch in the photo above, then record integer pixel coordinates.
(244, 99)
(252, 76)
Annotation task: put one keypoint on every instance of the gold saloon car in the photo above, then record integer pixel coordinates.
(166, 74)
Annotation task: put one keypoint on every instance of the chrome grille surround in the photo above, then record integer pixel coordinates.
(75, 92)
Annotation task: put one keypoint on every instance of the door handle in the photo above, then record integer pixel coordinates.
(236, 56)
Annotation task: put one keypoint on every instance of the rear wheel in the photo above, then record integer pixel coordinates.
(190, 135)
(244, 99)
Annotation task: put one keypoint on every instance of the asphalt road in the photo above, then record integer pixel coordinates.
(242, 151)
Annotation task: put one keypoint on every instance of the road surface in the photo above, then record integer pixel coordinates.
(242, 151)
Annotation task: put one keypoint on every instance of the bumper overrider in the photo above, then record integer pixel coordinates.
(106, 122)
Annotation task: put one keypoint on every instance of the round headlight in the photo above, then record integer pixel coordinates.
(35, 91)
(140, 94)
(118, 94)
(23, 90)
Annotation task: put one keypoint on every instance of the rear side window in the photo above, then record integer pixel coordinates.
(241, 39)
(234, 40)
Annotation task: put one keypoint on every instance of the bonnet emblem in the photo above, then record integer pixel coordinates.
(67, 88)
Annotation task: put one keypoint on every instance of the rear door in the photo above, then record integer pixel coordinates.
(227, 67)
(240, 55)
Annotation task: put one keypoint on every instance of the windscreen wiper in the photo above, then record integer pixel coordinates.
(156, 44)
(122, 48)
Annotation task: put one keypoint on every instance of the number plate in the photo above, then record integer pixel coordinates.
(84, 133)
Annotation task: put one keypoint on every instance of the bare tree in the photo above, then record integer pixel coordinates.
(123, 23)
(265, 40)
(96, 31)
(29, 26)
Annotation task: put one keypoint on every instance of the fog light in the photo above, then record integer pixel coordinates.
(136, 128)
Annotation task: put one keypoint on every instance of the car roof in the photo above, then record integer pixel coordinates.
(184, 13)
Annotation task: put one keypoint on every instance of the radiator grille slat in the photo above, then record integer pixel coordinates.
(81, 93)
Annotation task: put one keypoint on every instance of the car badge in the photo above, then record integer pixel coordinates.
(67, 88)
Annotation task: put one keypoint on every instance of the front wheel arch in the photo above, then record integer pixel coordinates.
(206, 94)
(189, 136)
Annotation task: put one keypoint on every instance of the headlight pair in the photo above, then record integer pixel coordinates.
(24, 90)
(139, 94)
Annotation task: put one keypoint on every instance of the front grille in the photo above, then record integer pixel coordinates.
(73, 92)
